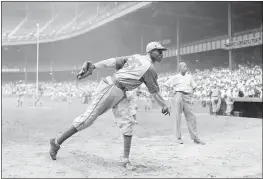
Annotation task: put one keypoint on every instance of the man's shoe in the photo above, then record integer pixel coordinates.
(198, 141)
(179, 141)
(53, 149)
(127, 164)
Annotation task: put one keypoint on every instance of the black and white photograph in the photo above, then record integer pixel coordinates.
(131, 89)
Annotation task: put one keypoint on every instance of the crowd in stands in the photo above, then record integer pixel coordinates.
(246, 81)
(54, 91)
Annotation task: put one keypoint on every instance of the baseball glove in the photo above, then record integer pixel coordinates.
(85, 71)
(166, 111)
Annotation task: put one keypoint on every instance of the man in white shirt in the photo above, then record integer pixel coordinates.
(184, 85)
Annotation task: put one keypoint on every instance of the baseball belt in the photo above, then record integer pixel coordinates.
(183, 92)
(113, 80)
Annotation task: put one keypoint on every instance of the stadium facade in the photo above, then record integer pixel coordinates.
(209, 34)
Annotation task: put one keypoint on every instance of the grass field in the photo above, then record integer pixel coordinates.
(234, 145)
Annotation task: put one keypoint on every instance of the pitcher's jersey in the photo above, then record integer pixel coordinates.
(137, 69)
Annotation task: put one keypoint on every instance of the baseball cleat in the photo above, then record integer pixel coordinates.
(127, 164)
(179, 141)
(53, 149)
(198, 141)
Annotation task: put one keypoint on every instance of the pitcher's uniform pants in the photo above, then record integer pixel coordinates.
(107, 96)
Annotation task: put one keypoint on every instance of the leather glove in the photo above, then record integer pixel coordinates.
(166, 111)
(85, 71)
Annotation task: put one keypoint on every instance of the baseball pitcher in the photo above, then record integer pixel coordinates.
(111, 94)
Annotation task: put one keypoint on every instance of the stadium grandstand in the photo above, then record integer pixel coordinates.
(56, 20)
(204, 30)
(205, 35)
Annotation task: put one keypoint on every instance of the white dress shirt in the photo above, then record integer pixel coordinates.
(184, 83)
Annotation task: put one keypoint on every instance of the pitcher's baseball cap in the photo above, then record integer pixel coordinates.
(154, 45)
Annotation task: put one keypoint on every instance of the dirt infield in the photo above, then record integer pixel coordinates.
(234, 145)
